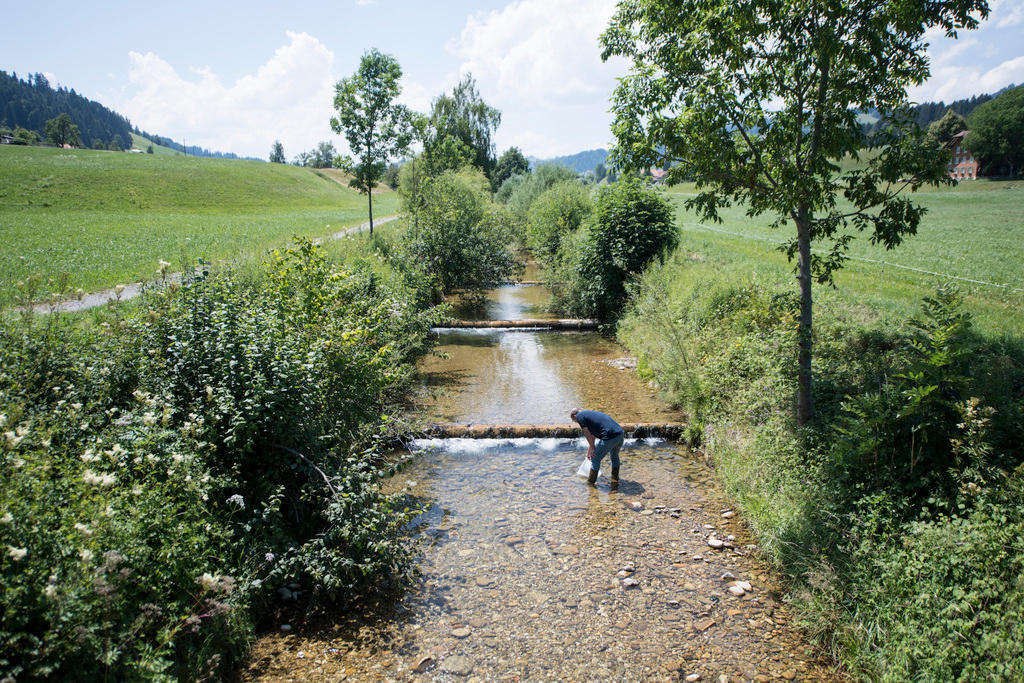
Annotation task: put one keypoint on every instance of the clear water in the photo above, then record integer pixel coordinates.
(524, 565)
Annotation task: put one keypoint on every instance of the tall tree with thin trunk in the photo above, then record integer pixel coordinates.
(758, 99)
(376, 128)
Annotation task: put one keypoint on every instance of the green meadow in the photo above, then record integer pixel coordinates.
(974, 231)
(106, 218)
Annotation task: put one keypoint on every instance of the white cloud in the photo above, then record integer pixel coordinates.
(1007, 13)
(288, 98)
(952, 81)
(542, 51)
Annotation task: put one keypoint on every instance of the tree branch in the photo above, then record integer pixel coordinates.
(327, 480)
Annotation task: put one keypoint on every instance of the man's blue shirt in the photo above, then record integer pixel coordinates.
(599, 424)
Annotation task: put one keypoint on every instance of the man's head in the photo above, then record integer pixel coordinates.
(572, 415)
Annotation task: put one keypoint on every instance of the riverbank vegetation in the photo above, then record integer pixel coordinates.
(174, 469)
(897, 514)
(890, 490)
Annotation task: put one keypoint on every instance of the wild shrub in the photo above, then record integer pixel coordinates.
(460, 236)
(167, 471)
(632, 225)
(558, 212)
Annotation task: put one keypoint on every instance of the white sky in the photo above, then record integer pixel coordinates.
(234, 76)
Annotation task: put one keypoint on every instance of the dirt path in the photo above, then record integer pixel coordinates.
(529, 574)
(132, 290)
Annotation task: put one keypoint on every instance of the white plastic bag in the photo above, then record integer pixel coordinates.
(584, 469)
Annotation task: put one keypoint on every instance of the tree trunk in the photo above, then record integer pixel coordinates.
(804, 405)
(369, 198)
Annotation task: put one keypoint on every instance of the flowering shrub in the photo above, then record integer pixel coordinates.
(166, 471)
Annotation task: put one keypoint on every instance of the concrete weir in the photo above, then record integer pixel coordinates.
(533, 324)
(673, 431)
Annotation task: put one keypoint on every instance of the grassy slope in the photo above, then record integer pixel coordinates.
(140, 142)
(974, 231)
(107, 218)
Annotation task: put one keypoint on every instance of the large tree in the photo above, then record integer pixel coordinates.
(758, 99)
(376, 128)
(997, 132)
(462, 120)
(61, 131)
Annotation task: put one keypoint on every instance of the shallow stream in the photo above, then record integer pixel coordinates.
(528, 573)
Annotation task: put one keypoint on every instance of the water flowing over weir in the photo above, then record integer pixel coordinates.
(528, 573)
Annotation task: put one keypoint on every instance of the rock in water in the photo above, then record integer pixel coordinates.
(457, 665)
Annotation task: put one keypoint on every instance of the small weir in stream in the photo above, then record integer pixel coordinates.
(528, 573)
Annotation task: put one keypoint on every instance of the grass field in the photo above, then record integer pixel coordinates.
(139, 142)
(107, 218)
(974, 231)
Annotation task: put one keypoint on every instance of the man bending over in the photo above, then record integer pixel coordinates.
(609, 436)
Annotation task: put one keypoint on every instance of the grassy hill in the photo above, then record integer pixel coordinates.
(974, 231)
(140, 142)
(107, 218)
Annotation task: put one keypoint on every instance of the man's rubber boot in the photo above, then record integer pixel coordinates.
(615, 474)
(592, 479)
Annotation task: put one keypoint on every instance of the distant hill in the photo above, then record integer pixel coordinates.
(581, 162)
(31, 102)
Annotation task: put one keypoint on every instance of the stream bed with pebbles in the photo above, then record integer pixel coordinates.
(528, 573)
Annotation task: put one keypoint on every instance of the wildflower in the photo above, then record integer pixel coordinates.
(209, 393)
(116, 450)
(89, 456)
(83, 529)
(208, 581)
(269, 557)
(45, 443)
(109, 512)
(103, 480)
(177, 458)
(50, 592)
(79, 292)
(238, 500)
(3, 420)
(152, 458)
(17, 554)
(118, 289)
(76, 406)
(6, 519)
(149, 419)
(85, 554)
(12, 439)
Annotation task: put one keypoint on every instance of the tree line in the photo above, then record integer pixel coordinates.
(29, 103)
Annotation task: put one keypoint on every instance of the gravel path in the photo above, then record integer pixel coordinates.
(131, 291)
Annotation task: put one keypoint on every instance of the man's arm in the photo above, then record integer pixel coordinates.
(590, 440)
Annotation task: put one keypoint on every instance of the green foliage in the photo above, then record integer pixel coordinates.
(632, 226)
(765, 127)
(149, 150)
(461, 128)
(942, 131)
(25, 137)
(896, 518)
(61, 131)
(276, 153)
(556, 213)
(511, 163)
(997, 133)
(166, 472)
(375, 127)
(459, 236)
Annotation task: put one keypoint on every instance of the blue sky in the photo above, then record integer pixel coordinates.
(235, 76)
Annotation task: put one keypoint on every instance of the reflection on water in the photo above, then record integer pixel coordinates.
(513, 302)
(523, 567)
(528, 573)
(531, 377)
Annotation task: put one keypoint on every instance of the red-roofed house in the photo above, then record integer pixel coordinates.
(963, 165)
